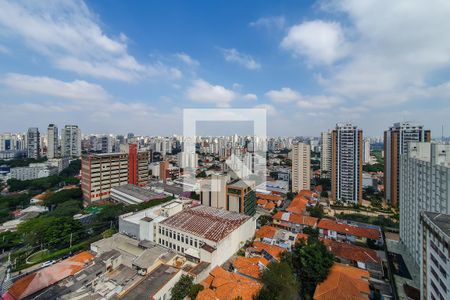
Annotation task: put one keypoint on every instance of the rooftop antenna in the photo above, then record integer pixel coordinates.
(442, 136)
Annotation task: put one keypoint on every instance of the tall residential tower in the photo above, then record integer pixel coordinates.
(33, 143)
(71, 141)
(52, 141)
(396, 141)
(325, 154)
(346, 166)
(301, 167)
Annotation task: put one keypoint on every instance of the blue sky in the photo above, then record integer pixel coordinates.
(120, 66)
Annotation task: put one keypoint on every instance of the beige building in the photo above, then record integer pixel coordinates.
(213, 191)
(301, 167)
(325, 154)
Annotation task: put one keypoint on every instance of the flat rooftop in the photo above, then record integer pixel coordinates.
(207, 222)
(441, 221)
(153, 213)
(241, 184)
(138, 192)
(152, 283)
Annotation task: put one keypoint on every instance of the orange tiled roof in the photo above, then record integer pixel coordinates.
(43, 278)
(294, 218)
(344, 282)
(273, 250)
(298, 205)
(349, 229)
(303, 236)
(352, 252)
(250, 266)
(270, 197)
(266, 231)
(261, 202)
(269, 206)
(40, 196)
(223, 285)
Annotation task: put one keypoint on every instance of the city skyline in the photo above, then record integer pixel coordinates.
(129, 76)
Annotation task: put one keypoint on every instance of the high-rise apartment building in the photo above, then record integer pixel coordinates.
(101, 172)
(301, 167)
(346, 166)
(33, 143)
(435, 262)
(396, 141)
(52, 141)
(71, 141)
(325, 154)
(366, 151)
(424, 186)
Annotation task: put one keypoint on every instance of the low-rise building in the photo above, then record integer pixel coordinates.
(293, 222)
(132, 194)
(350, 231)
(241, 197)
(206, 234)
(33, 171)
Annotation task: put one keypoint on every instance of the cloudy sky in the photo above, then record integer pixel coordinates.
(121, 66)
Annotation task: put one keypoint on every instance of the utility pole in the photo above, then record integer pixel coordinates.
(71, 240)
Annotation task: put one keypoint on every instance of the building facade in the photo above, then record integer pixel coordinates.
(241, 197)
(424, 186)
(71, 141)
(301, 167)
(213, 191)
(346, 166)
(33, 143)
(396, 141)
(52, 141)
(435, 263)
(325, 154)
(101, 172)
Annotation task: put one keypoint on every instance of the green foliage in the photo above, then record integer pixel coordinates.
(373, 168)
(72, 170)
(316, 211)
(265, 220)
(63, 196)
(51, 232)
(21, 162)
(279, 282)
(311, 263)
(68, 208)
(108, 233)
(324, 194)
(325, 183)
(194, 290)
(9, 240)
(291, 195)
(182, 288)
(202, 174)
(380, 221)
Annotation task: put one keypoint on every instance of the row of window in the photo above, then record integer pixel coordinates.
(171, 245)
(179, 237)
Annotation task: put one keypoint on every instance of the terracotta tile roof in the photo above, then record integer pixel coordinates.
(344, 282)
(250, 266)
(207, 222)
(273, 250)
(303, 236)
(270, 197)
(352, 252)
(43, 278)
(269, 206)
(297, 205)
(328, 224)
(40, 196)
(223, 285)
(266, 231)
(296, 219)
(261, 202)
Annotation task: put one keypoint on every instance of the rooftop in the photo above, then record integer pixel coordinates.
(46, 277)
(241, 184)
(349, 229)
(138, 192)
(352, 252)
(298, 204)
(250, 266)
(207, 222)
(152, 283)
(222, 285)
(344, 282)
(266, 231)
(441, 221)
(294, 218)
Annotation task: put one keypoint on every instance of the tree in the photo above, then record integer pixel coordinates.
(279, 282)
(316, 211)
(182, 288)
(311, 263)
(67, 209)
(194, 290)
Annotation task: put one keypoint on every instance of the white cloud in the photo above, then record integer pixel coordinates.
(75, 90)
(276, 22)
(286, 95)
(245, 60)
(320, 42)
(185, 58)
(68, 33)
(283, 95)
(251, 97)
(204, 92)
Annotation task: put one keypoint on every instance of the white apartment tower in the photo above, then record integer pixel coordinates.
(33, 143)
(301, 167)
(424, 186)
(71, 141)
(325, 154)
(52, 141)
(346, 166)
